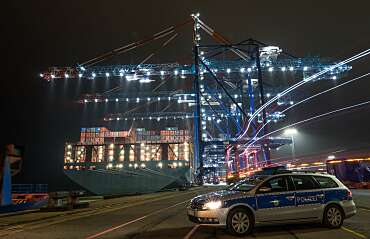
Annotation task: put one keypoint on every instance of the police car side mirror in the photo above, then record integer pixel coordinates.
(264, 190)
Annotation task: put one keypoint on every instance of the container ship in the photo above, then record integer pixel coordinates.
(137, 161)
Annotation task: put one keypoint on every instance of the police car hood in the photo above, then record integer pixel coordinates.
(219, 195)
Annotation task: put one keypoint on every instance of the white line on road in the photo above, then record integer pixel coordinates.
(193, 230)
(133, 221)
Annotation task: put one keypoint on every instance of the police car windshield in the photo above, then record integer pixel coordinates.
(246, 184)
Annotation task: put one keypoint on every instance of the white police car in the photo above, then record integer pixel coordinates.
(283, 198)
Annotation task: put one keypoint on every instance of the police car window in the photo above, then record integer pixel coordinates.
(246, 184)
(326, 182)
(276, 184)
(302, 182)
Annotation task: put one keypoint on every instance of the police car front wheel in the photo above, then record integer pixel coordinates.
(240, 222)
(333, 216)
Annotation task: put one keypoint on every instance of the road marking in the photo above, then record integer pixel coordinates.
(133, 221)
(83, 214)
(364, 209)
(193, 230)
(353, 232)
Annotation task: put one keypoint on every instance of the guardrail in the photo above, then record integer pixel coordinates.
(29, 188)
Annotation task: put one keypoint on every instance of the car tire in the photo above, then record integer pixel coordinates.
(333, 216)
(240, 222)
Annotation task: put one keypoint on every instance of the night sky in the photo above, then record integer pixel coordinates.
(39, 34)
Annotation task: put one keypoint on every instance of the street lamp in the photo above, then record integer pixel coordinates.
(291, 132)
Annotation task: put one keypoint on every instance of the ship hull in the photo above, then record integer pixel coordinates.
(124, 182)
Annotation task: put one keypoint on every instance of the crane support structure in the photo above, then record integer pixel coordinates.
(229, 82)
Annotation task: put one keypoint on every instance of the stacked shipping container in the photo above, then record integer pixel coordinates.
(100, 145)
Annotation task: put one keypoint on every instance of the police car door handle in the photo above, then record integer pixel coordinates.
(290, 198)
(275, 202)
(320, 195)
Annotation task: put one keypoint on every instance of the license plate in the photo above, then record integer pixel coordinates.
(191, 213)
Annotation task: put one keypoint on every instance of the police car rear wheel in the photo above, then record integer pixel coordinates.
(240, 222)
(333, 217)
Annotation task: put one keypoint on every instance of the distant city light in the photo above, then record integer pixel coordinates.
(305, 68)
(290, 131)
(271, 69)
(291, 68)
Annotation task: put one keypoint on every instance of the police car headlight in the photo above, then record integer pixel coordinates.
(212, 205)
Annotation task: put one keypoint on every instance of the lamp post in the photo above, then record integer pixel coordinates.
(330, 157)
(291, 132)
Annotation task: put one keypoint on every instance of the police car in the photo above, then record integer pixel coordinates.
(283, 198)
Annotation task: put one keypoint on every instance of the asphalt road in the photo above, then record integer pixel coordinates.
(160, 216)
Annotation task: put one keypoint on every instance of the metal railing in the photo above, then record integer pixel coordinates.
(29, 188)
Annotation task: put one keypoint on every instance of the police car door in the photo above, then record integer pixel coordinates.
(275, 201)
(309, 197)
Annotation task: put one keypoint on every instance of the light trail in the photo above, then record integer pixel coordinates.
(309, 98)
(295, 86)
(312, 118)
